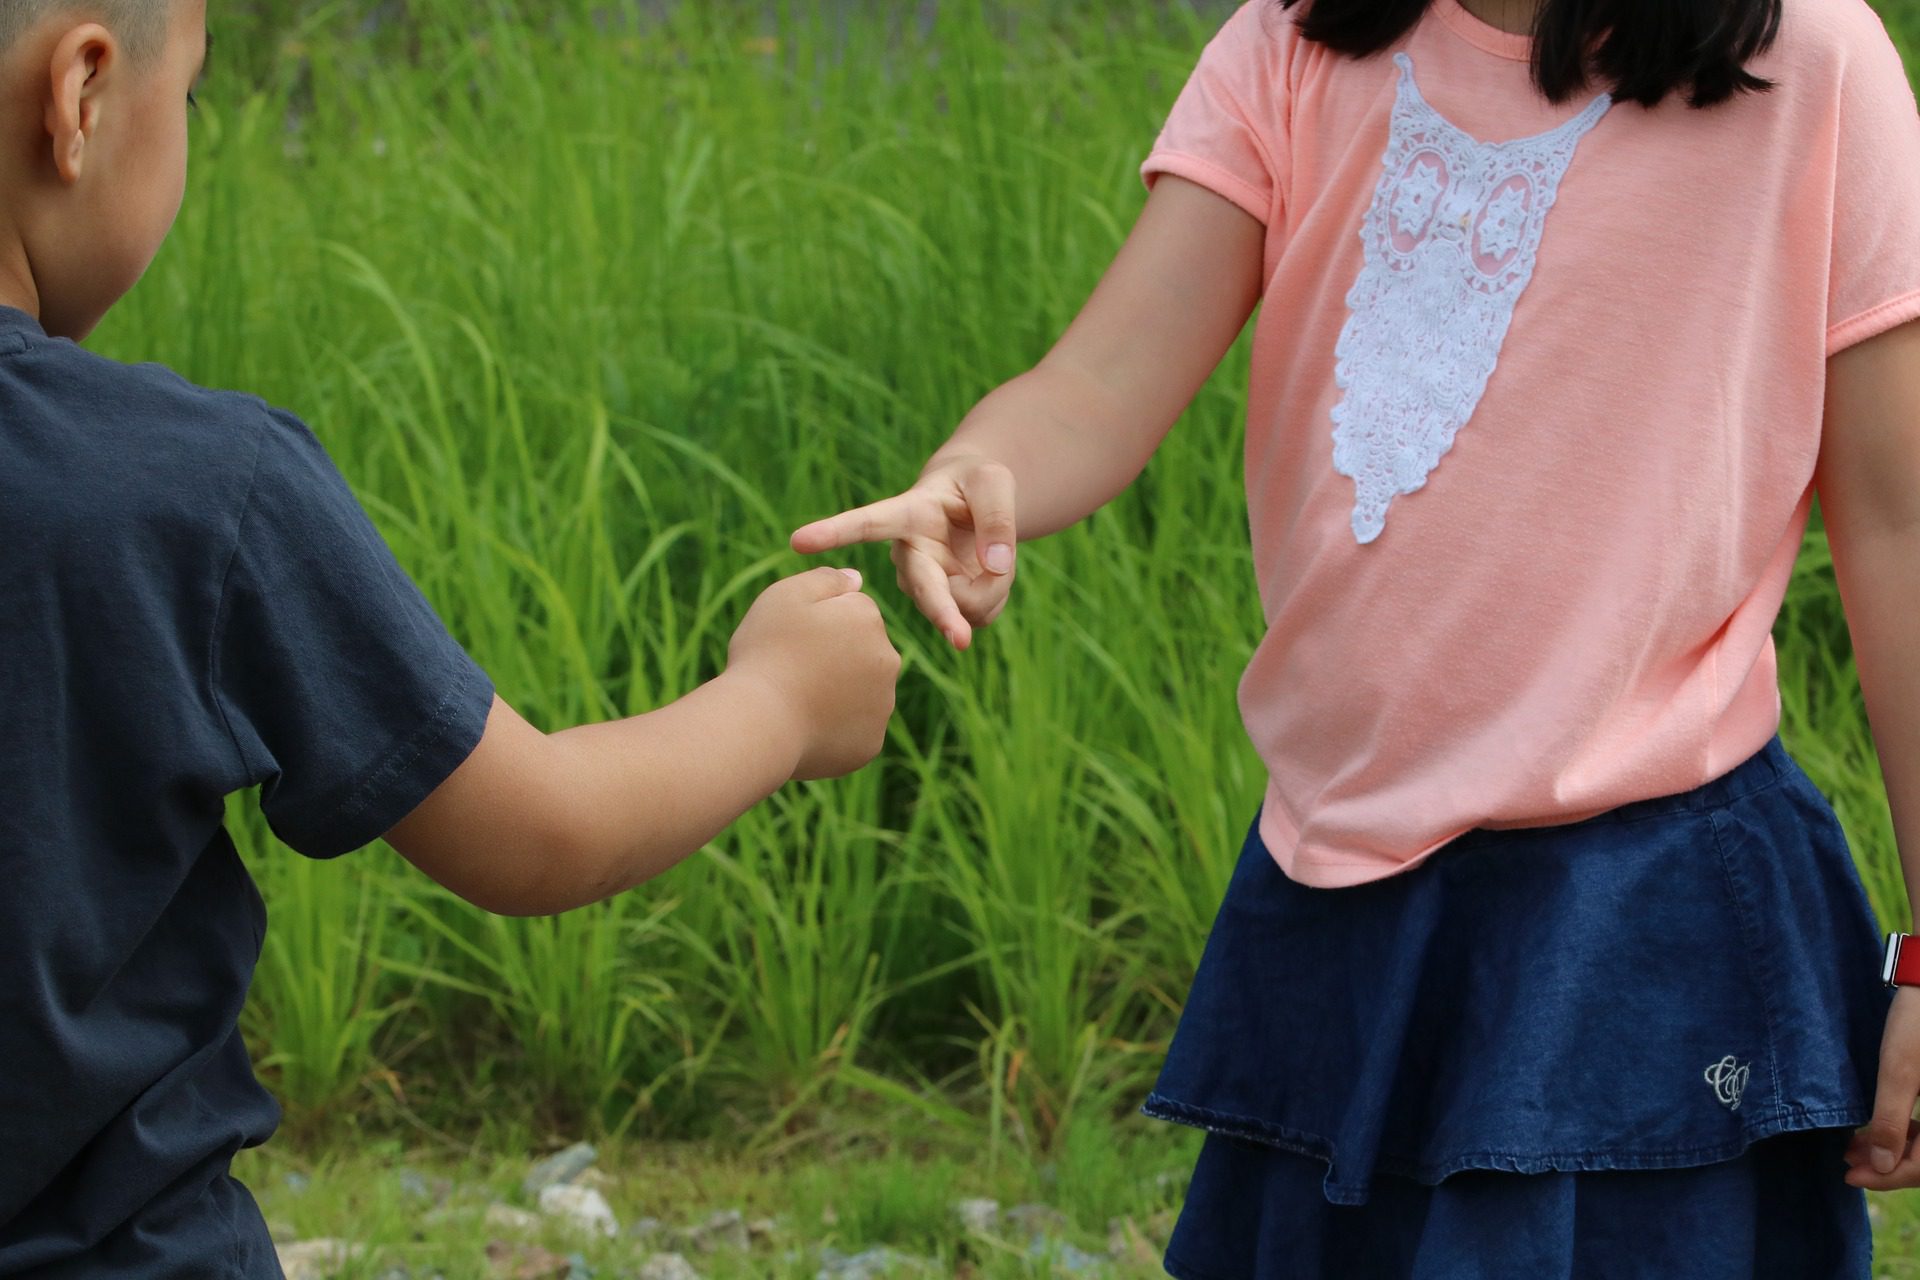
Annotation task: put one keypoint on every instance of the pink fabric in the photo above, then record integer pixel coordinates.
(1575, 611)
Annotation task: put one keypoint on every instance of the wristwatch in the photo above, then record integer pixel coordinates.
(1902, 968)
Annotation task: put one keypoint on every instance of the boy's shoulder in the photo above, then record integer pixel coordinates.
(89, 439)
(117, 401)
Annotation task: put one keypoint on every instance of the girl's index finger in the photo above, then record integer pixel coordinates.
(905, 515)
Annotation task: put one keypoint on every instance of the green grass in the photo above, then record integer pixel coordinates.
(592, 312)
(900, 1195)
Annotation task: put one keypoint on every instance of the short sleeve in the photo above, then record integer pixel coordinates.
(1227, 130)
(1875, 281)
(345, 696)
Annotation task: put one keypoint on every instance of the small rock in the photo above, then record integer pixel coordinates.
(978, 1217)
(871, 1265)
(504, 1217)
(417, 1186)
(559, 1169)
(1036, 1219)
(726, 1230)
(1065, 1257)
(668, 1266)
(524, 1262)
(582, 1208)
(316, 1259)
(762, 1231)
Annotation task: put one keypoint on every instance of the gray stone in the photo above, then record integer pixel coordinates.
(1036, 1219)
(978, 1217)
(316, 1259)
(871, 1265)
(504, 1217)
(726, 1230)
(558, 1169)
(1065, 1257)
(581, 1208)
(667, 1266)
(415, 1185)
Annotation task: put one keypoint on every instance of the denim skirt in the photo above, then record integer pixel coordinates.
(1633, 1046)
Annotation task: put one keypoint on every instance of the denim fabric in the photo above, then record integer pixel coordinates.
(1659, 987)
(1778, 1212)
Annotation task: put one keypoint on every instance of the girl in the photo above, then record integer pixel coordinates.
(1542, 958)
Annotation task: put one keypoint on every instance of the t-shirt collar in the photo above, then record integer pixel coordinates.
(14, 320)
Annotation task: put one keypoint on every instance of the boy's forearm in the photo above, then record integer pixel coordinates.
(1879, 574)
(1071, 445)
(655, 788)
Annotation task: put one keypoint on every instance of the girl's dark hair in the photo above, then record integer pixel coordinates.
(1642, 49)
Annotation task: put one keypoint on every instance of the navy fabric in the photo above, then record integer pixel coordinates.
(1656, 988)
(1778, 1212)
(192, 603)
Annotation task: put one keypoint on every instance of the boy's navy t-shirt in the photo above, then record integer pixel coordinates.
(191, 603)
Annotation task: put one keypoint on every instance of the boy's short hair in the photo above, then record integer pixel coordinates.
(140, 24)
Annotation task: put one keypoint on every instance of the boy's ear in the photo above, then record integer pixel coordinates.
(83, 60)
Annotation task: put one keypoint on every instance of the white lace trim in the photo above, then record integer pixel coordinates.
(1451, 239)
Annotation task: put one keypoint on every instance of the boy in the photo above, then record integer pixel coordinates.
(192, 603)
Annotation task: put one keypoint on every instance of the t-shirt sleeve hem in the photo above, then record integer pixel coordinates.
(1213, 177)
(409, 773)
(1890, 314)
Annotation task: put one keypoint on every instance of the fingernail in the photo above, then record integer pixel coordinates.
(853, 575)
(1000, 558)
(1883, 1160)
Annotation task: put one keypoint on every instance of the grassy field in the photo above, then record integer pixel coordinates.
(592, 309)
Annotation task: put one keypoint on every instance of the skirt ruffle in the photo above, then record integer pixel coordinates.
(1658, 988)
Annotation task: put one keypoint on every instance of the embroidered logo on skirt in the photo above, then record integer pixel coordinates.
(1729, 1081)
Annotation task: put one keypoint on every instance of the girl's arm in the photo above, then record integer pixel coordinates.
(1869, 485)
(1071, 434)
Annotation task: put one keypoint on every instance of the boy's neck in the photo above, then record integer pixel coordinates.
(17, 289)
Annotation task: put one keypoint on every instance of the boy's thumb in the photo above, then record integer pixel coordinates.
(828, 583)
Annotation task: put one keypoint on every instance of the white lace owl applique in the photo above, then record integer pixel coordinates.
(1450, 238)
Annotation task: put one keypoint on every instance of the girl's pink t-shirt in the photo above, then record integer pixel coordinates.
(1536, 402)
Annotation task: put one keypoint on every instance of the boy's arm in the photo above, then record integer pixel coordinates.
(536, 824)
(1869, 485)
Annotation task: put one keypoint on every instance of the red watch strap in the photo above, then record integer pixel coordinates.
(1904, 969)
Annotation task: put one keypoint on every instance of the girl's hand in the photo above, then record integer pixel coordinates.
(1882, 1156)
(953, 538)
